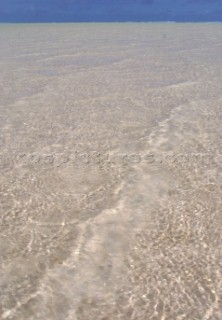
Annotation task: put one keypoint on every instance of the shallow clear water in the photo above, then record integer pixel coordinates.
(111, 174)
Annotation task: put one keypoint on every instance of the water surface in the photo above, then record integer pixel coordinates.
(111, 171)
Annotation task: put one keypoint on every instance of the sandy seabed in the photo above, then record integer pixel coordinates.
(111, 177)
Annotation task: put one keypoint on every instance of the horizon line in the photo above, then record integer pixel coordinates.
(133, 21)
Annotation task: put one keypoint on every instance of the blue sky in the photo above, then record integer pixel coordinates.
(109, 10)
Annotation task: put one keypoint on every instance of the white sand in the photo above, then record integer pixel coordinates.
(111, 171)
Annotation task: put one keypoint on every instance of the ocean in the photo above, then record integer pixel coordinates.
(111, 176)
